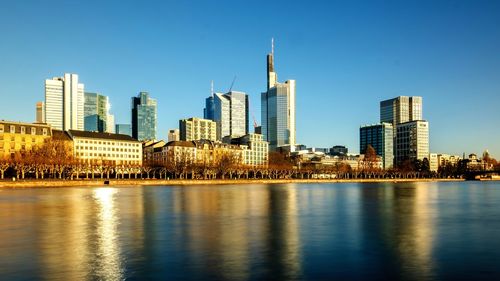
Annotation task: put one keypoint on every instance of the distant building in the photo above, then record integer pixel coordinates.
(40, 112)
(64, 102)
(110, 124)
(174, 135)
(381, 138)
(446, 159)
(278, 109)
(412, 141)
(197, 129)
(148, 149)
(255, 149)
(230, 111)
(96, 112)
(401, 109)
(21, 137)
(144, 117)
(433, 162)
(123, 129)
(338, 150)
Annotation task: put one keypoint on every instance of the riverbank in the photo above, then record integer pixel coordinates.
(150, 182)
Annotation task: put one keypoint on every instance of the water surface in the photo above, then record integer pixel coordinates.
(352, 231)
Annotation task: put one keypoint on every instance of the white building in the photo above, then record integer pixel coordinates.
(117, 149)
(412, 141)
(433, 162)
(197, 129)
(64, 103)
(173, 135)
(255, 149)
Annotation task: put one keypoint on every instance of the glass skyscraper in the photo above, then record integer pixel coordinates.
(278, 109)
(401, 109)
(230, 112)
(144, 117)
(96, 112)
(380, 137)
(123, 129)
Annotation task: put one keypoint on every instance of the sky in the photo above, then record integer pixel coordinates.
(346, 57)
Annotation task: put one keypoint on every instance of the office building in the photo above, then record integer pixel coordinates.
(64, 102)
(21, 137)
(90, 147)
(40, 112)
(174, 135)
(412, 141)
(433, 162)
(123, 129)
(381, 138)
(255, 149)
(339, 150)
(144, 117)
(110, 124)
(197, 129)
(96, 113)
(230, 112)
(278, 109)
(400, 110)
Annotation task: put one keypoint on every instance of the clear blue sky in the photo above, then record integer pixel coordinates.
(346, 57)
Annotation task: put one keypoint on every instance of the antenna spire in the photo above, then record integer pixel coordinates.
(212, 88)
(272, 46)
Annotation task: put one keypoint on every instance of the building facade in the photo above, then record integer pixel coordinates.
(40, 112)
(64, 102)
(197, 129)
(278, 109)
(255, 149)
(381, 138)
(21, 137)
(174, 135)
(412, 141)
(339, 150)
(401, 109)
(144, 117)
(123, 129)
(230, 111)
(96, 112)
(89, 147)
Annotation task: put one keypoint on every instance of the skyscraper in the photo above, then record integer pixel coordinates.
(40, 112)
(412, 141)
(278, 109)
(96, 113)
(400, 110)
(230, 111)
(64, 102)
(144, 117)
(380, 137)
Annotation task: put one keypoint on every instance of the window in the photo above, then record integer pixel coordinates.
(33, 131)
(12, 129)
(23, 130)
(1, 128)
(44, 131)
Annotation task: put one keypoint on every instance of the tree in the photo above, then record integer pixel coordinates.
(370, 159)
(5, 163)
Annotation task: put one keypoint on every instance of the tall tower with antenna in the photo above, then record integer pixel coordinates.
(272, 77)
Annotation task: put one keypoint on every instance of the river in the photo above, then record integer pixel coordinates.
(341, 231)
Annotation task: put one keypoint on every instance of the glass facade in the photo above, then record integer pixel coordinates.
(123, 129)
(380, 137)
(412, 141)
(230, 111)
(401, 109)
(278, 116)
(144, 117)
(95, 112)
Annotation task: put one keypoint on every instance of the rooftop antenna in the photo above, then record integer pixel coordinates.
(272, 46)
(212, 88)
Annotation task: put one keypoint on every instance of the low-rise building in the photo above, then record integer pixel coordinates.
(113, 148)
(433, 162)
(255, 149)
(21, 137)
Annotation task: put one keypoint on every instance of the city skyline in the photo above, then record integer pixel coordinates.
(457, 81)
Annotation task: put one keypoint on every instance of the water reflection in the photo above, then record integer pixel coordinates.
(255, 232)
(106, 264)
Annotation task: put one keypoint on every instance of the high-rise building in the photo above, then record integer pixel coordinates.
(230, 111)
(64, 102)
(339, 150)
(144, 117)
(381, 138)
(278, 109)
(412, 141)
(96, 113)
(400, 110)
(123, 129)
(110, 124)
(197, 129)
(174, 135)
(40, 112)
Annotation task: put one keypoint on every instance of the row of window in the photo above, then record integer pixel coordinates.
(107, 143)
(108, 155)
(32, 130)
(107, 149)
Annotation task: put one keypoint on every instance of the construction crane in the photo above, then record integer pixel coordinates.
(232, 84)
